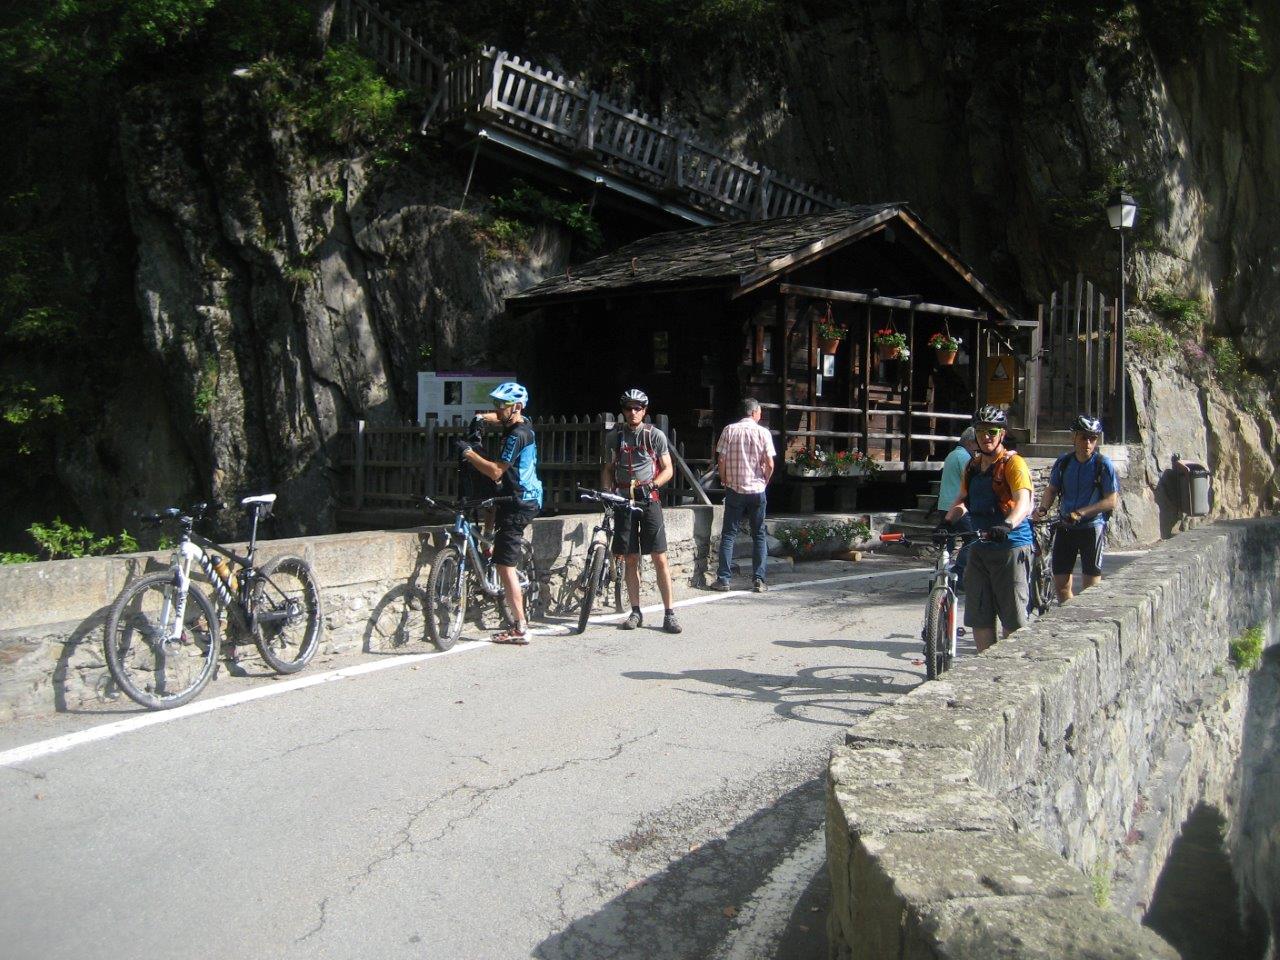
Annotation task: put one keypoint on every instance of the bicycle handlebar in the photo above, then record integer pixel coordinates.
(195, 512)
(938, 537)
(462, 506)
(613, 499)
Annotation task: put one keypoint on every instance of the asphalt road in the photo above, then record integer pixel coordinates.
(610, 795)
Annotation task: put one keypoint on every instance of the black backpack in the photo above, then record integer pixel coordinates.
(1060, 467)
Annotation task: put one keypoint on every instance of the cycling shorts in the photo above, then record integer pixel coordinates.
(1084, 542)
(653, 532)
(997, 583)
(508, 531)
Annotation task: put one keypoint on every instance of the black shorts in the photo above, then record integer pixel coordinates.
(1084, 542)
(508, 527)
(653, 532)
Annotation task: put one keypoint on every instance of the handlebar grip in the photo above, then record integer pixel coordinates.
(892, 537)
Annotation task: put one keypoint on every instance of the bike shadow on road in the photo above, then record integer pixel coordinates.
(828, 695)
(688, 907)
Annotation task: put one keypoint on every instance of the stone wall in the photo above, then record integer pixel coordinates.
(996, 811)
(51, 655)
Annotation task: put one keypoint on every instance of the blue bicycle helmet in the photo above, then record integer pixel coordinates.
(511, 392)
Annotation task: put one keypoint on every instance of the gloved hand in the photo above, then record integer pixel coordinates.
(999, 532)
(477, 429)
(461, 447)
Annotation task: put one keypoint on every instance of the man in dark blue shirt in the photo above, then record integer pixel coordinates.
(516, 469)
(1086, 486)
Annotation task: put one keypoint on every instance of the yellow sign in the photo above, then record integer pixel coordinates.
(1002, 374)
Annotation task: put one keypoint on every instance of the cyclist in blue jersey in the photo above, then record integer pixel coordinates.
(1086, 486)
(516, 469)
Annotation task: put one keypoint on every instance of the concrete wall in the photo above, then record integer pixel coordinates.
(991, 812)
(52, 614)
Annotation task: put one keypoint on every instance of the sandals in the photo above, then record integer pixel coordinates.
(514, 637)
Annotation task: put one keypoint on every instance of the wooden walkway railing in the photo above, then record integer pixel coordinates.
(387, 467)
(571, 123)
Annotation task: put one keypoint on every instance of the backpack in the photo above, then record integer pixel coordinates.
(999, 484)
(1099, 471)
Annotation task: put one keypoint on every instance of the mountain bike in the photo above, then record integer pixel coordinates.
(940, 630)
(463, 571)
(163, 633)
(1043, 593)
(602, 569)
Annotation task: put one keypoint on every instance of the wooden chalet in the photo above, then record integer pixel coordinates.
(701, 317)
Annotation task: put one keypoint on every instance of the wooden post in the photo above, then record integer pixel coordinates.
(762, 194)
(812, 355)
(357, 439)
(866, 387)
(910, 389)
(787, 308)
(587, 135)
(491, 96)
(1034, 376)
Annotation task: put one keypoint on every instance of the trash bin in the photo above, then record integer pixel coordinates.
(1193, 485)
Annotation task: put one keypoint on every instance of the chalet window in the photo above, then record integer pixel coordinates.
(766, 350)
(661, 351)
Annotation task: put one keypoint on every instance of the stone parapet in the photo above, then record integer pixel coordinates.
(1024, 804)
(51, 656)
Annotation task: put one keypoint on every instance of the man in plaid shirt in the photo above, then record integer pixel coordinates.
(745, 458)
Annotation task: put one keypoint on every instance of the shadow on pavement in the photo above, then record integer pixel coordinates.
(686, 909)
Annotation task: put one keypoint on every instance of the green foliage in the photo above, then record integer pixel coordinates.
(530, 205)
(207, 389)
(1185, 317)
(299, 274)
(352, 101)
(1246, 649)
(1100, 882)
(61, 541)
(503, 237)
(10, 557)
(1180, 27)
(1151, 340)
(799, 539)
(1231, 374)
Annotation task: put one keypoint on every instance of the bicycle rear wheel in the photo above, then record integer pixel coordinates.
(593, 579)
(936, 642)
(446, 597)
(1043, 592)
(154, 669)
(287, 602)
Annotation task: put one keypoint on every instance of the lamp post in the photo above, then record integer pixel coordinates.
(1122, 211)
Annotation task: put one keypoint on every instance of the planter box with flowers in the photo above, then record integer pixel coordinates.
(853, 463)
(806, 463)
(946, 345)
(891, 344)
(818, 539)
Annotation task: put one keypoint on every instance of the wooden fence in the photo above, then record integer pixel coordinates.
(571, 122)
(388, 467)
(1073, 357)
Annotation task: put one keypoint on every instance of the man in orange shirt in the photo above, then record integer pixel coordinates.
(745, 459)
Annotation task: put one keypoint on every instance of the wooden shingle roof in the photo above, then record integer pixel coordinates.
(727, 252)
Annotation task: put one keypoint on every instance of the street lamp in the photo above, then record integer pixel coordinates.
(1122, 211)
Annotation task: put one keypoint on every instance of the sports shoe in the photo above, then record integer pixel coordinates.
(671, 624)
(634, 619)
(759, 586)
(720, 586)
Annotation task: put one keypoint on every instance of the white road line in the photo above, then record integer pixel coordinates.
(106, 731)
(763, 921)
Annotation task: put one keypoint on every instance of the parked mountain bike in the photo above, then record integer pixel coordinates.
(1043, 593)
(163, 633)
(602, 570)
(463, 572)
(940, 629)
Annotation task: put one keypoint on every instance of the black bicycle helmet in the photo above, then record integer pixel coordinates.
(634, 396)
(1086, 424)
(990, 414)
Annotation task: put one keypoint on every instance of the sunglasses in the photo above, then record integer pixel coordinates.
(992, 432)
(1091, 437)
(632, 406)
(501, 405)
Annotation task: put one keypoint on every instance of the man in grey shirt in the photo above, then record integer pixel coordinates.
(639, 463)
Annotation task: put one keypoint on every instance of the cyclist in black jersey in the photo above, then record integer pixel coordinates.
(639, 463)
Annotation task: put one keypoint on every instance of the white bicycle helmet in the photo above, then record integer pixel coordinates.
(510, 392)
(1086, 424)
(990, 414)
(635, 396)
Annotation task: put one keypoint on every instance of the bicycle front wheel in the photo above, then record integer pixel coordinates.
(530, 588)
(936, 643)
(1043, 592)
(593, 578)
(151, 665)
(446, 598)
(287, 606)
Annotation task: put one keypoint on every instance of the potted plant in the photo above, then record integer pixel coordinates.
(830, 333)
(946, 345)
(815, 539)
(810, 463)
(891, 344)
(853, 463)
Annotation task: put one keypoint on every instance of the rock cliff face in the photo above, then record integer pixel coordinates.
(287, 293)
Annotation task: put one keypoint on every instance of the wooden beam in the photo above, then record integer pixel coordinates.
(854, 296)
